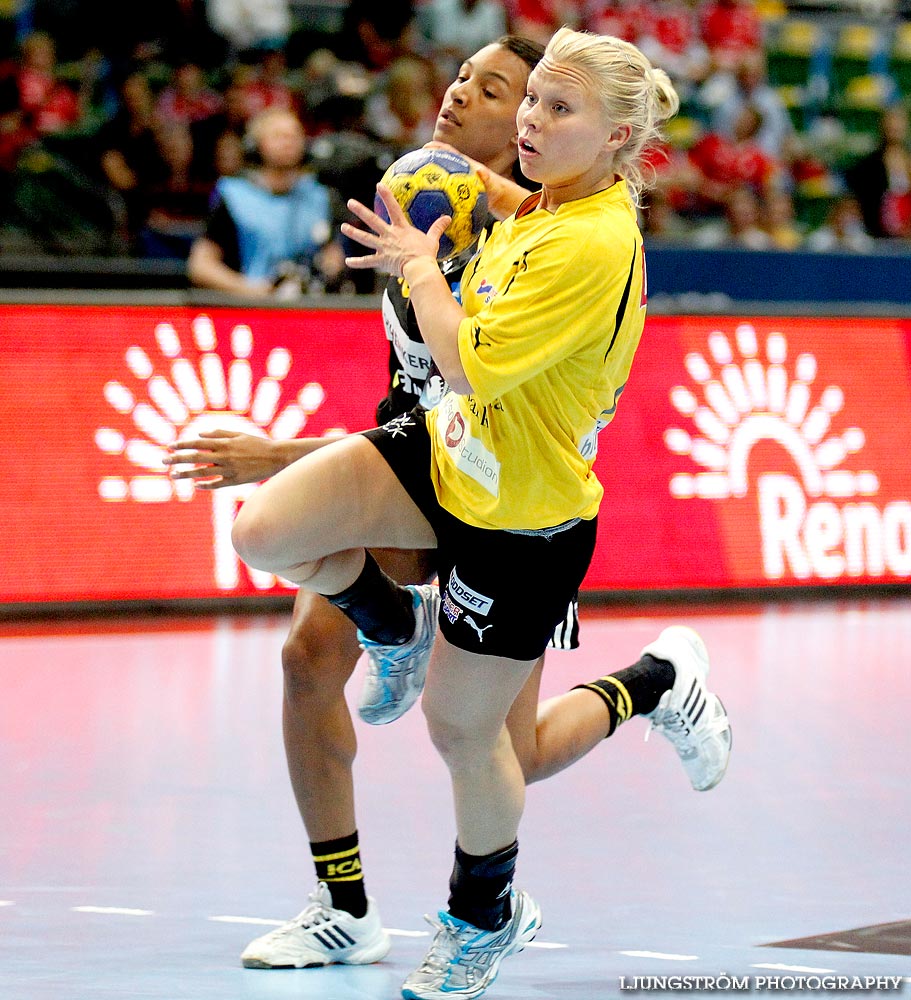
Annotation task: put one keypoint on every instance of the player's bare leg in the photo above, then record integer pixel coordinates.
(311, 522)
(666, 685)
(300, 524)
(550, 735)
(318, 659)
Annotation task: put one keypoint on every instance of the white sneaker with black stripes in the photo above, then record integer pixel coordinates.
(320, 935)
(689, 715)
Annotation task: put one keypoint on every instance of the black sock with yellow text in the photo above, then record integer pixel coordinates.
(338, 864)
(634, 691)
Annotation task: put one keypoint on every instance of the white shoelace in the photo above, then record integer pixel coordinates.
(446, 946)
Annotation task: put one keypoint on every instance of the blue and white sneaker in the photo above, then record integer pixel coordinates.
(320, 935)
(689, 715)
(396, 674)
(464, 960)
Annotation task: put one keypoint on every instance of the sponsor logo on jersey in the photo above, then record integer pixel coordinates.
(468, 454)
(588, 446)
(413, 355)
(468, 598)
(450, 609)
(816, 518)
(455, 430)
(486, 291)
(434, 389)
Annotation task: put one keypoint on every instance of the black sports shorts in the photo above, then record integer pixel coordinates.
(503, 593)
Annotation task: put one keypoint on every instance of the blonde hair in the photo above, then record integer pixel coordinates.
(631, 92)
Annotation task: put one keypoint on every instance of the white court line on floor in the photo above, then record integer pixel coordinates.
(778, 967)
(659, 954)
(259, 921)
(119, 910)
(7, 902)
(393, 931)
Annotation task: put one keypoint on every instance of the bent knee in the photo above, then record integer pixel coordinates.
(252, 539)
(257, 542)
(456, 741)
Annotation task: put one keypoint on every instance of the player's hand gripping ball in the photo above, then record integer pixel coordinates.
(428, 183)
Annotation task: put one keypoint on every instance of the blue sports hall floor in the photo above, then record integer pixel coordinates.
(147, 828)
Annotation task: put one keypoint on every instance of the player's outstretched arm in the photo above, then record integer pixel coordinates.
(228, 458)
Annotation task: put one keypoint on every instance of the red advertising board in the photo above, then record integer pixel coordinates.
(746, 451)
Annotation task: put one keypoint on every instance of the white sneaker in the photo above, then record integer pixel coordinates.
(689, 715)
(464, 960)
(396, 674)
(320, 935)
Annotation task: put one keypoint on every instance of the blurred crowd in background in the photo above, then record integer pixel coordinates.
(118, 119)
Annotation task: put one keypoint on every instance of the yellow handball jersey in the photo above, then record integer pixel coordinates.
(556, 306)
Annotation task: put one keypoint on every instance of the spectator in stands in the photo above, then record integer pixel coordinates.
(631, 20)
(377, 34)
(740, 226)
(271, 231)
(47, 105)
(177, 205)
(169, 31)
(779, 220)
(263, 82)
(731, 29)
(332, 91)
(403, 113)
(881, 181)
(748, 86)
(129, 153)
(228, 158)
(187, 98)
(670, 38)
(725, 164)
(661, 222)
(842, 230)
(251, 25)
(457, 28)
(15, 132)
(222, 135)
(539, 19)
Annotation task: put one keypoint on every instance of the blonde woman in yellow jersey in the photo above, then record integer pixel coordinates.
(498, 478)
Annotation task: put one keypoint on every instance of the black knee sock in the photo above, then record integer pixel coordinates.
(380, 608)
(338, 864)
(479, 887)
(634, 691)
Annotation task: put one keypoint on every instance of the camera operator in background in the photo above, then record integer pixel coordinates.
(272, 229)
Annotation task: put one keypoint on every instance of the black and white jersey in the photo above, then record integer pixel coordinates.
(413, 377)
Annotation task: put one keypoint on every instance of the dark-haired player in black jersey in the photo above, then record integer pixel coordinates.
(340, 924)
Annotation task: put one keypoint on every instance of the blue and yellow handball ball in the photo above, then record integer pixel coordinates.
(428, 183)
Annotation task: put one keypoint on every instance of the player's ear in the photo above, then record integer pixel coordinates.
(619, 136)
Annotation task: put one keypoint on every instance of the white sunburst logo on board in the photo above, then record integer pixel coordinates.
(188, 389)
(822, 524)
